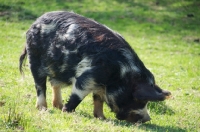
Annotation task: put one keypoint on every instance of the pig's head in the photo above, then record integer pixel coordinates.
(143, 91)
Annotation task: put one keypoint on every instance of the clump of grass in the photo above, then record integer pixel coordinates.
(160, 108)
(14, 119)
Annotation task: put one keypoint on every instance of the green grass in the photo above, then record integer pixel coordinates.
(164, 33)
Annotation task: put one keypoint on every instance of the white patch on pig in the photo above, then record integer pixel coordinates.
(130, 65)
(70, 34)
(83, 66)
(88, 86)
(143, 112)
(47, 28)
(41, 102)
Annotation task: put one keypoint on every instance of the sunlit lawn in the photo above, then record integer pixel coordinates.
(165, 35)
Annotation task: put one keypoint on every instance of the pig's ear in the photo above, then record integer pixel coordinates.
(150, 93)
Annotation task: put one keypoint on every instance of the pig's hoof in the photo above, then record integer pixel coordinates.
(65, 109)
(59, 106)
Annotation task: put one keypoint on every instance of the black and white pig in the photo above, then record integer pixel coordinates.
(71, 49)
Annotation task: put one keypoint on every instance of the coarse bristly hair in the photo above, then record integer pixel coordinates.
(71, 49)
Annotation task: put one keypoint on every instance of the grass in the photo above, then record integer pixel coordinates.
(165, 35)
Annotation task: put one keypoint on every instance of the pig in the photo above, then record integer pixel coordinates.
(74, 50)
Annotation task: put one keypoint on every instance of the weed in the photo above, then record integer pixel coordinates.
(14, 119)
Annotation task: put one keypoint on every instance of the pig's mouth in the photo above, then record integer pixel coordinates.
(136, 117)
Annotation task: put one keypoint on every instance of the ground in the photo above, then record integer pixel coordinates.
(165, 35)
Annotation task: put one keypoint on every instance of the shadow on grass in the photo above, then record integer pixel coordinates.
(158, 108)
(15, 12)
(158, 16)
(153, 127)
(153, 17)
(147, 126)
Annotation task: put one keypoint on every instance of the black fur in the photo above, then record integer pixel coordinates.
(69, 48)
(74, 100)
